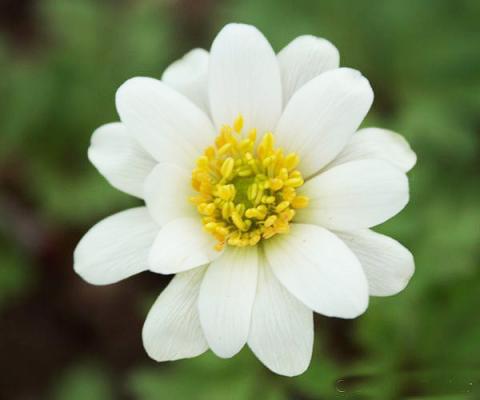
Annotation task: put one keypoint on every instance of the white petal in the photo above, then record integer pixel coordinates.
(189, 75)
(226, 299)
(244, 78)
(180, 245)
(166, 123)
(379, 144)
(388, 265)
(116, 248)
(119, 158)
(303, 59)
(281, 332)
(172, 329)
(355, 195)
(322, 115)
(167, 192)
(320, 270)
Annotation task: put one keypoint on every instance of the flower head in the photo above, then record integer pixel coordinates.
(259, 194)
(246, 193)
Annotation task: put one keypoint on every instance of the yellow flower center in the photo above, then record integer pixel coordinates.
(246, 193)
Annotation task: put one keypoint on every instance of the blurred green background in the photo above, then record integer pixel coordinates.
(60, 64)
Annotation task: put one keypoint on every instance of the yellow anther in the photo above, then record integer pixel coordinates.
(226, 192)
(224, 149)
(282, 206)
(221, 230)
(268, 199)
(245, 145)
(268, 141)
(227, 209)
(240, 209)
(238, 124)
(210, 152)
(295, 174)
(227, 167)
(276, 184)
(254, 239)
(254, 166)
(291, 161)
(258, 213)
(283, 174)
(245, 171)
(211, 226)
(238, 221)
(270, 220)
(300, 202)
(233, 141)
(287, 215)
(206, 208)
(294, 182)
(262, 212)
(288, 193)
(226, 130)
(267, 161)
(252, 191)
(202, 162)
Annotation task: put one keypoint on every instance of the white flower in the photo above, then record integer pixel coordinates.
(259, 196)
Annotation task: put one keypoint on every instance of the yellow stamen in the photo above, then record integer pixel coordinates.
(300, 202)
(238, 124)
(246, 192)
(227, 167)
(282, 206)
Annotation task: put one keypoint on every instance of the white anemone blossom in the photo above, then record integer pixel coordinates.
(260, 192)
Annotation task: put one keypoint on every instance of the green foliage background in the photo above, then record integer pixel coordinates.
(423, 60)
